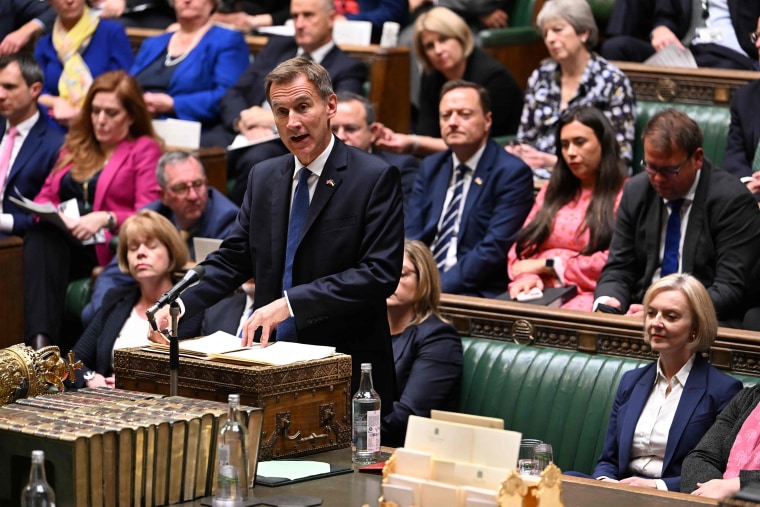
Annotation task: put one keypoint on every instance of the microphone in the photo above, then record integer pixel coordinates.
(191, 278)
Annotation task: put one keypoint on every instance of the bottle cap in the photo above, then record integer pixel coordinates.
(366, 366)
(233, 398)
(38, 455)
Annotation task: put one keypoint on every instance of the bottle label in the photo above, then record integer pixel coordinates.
(224, 454)
(373, 430)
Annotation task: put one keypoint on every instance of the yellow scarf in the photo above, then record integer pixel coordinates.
(76, 77)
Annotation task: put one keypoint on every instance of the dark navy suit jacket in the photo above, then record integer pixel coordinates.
(744, 133)
(408, 166)
(225, 315)
(495, 208)
(720, 247)
(33, 163)
(348, 259)
(706, 392)
(347, 73)
(216, 222)
(15, 13)
(428, 359)
(95, 347)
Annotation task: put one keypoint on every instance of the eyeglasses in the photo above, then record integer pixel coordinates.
(182, 189)
(753, 36)
(666, 171)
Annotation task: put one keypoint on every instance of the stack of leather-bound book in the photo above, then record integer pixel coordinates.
(111, 447)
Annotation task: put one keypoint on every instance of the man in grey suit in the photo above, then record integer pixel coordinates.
(682, 214)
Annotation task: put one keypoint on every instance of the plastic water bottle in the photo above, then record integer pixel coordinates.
(232, 459)
(38, 492)
(365, 445)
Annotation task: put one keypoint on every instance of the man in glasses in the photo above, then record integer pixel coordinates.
(682, 214)
(196, 210)
(354, 124)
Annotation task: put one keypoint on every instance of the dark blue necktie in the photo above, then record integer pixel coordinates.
(672, 239)
(286, 331)
(450, 224)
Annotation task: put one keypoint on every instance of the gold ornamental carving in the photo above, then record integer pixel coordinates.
(25, 372)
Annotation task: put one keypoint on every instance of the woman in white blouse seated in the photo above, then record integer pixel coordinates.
(662, 410)
(150, 250)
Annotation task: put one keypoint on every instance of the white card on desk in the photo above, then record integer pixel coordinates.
(479, 476)
(496, 448)
(444, 440)
(438, 494)
(413, 463)
(401, 495)
(410, 482)
(479, 502)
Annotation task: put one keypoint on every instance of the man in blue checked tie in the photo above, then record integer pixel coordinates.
(470, 200)
(320, 230)
(682, 214)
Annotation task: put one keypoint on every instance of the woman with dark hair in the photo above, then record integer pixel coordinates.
(106, 170)
(427, 351)
(566, 237)
(78, 49)
(150, 251)
(572, 76)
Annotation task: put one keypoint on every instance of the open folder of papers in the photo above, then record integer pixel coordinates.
(225, 347)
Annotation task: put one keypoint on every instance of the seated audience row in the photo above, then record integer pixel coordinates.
(715, 32)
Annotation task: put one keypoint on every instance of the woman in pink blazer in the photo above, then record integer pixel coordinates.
(104, 174)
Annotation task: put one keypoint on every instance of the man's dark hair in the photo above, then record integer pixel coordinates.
(485, 100)
(669, 129)
(369, 108)
(30, 69)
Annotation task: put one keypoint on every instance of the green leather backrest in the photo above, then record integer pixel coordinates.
(522, 13)
(713, 120)
(561, 397)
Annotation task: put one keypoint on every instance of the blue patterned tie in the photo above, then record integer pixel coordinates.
(286, 331)
(449, 226)
(672, 239)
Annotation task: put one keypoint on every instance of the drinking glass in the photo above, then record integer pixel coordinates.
(526, 462)
(544, 455)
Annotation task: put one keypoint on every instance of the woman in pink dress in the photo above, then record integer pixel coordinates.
(566, 237)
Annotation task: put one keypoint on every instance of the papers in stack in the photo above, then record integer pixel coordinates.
(449, 463)
(180, 134)
(225, 347)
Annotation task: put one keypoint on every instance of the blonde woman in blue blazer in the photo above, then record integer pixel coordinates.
(662, 410)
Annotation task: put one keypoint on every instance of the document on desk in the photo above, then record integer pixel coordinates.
(224, 347)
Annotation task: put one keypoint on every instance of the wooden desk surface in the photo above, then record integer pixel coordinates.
(357, 489)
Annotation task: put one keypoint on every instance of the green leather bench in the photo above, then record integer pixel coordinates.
(559, 396)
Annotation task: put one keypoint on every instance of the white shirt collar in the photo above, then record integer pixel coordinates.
(471, 162)
(25, 126)
(318, 54)
(318, 164)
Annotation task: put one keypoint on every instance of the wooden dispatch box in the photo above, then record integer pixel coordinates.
(307, 405)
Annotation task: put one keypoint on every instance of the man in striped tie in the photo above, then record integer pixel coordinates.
(470, 200)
